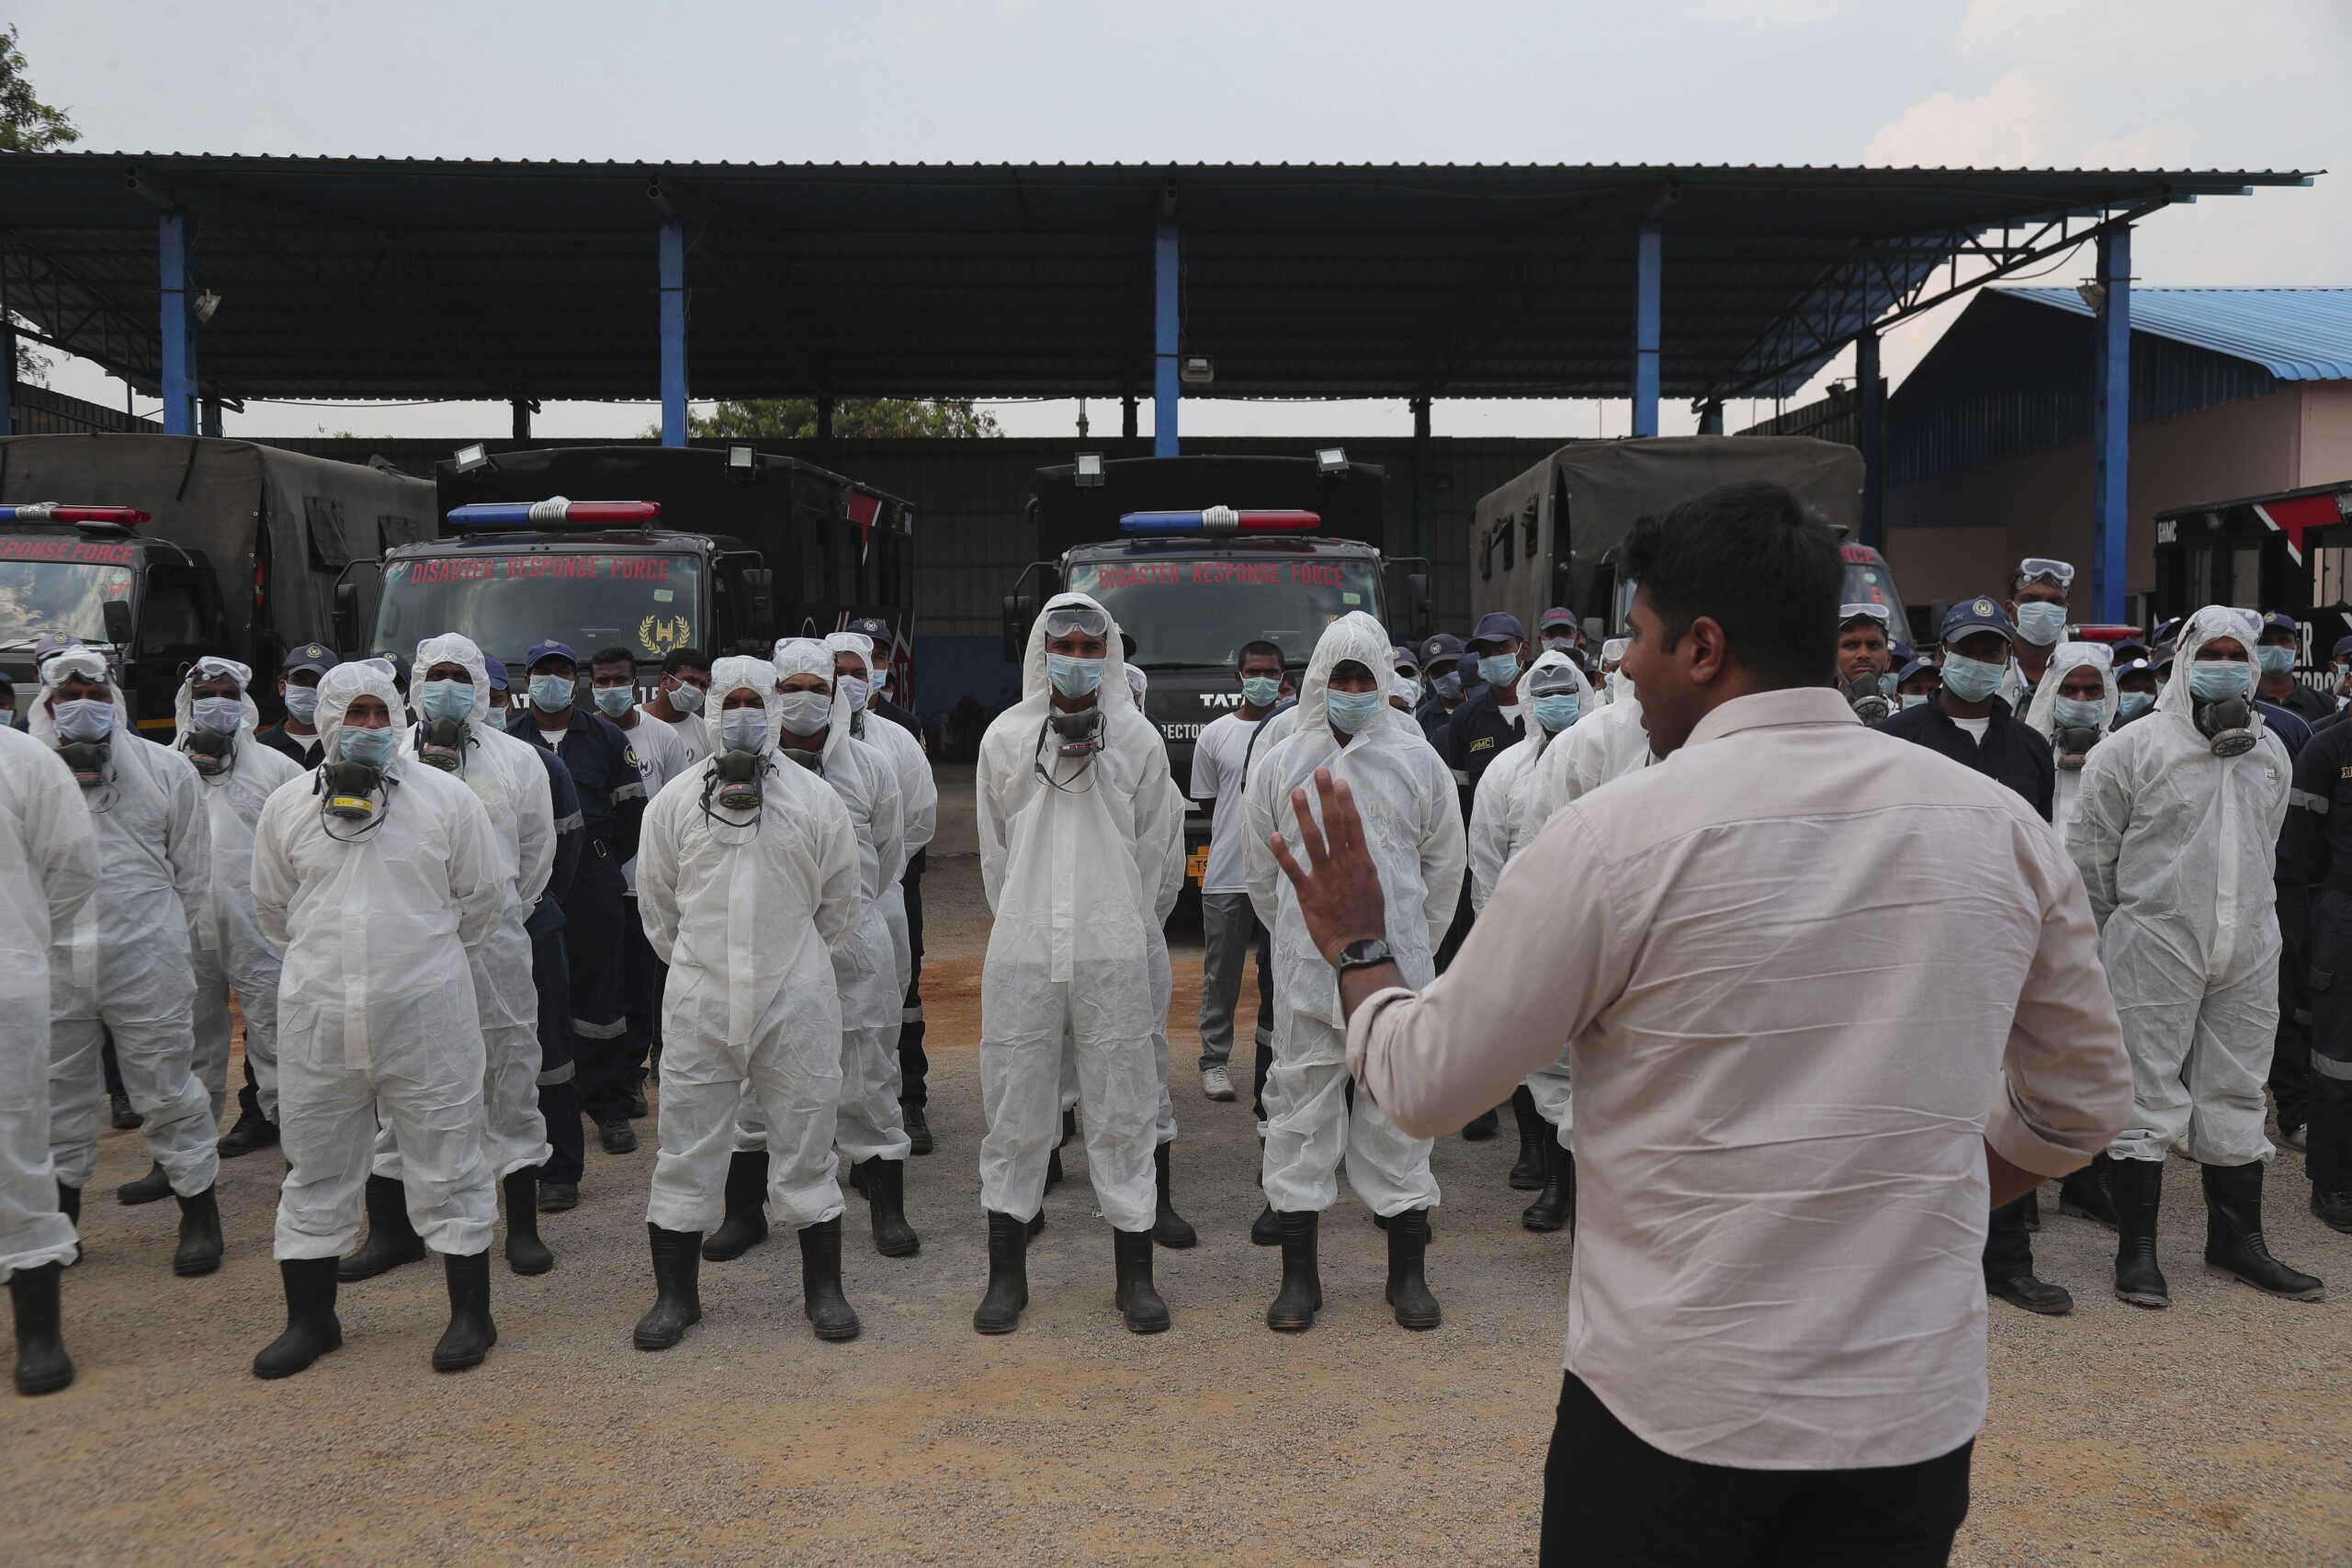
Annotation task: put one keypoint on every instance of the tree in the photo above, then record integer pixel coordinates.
(854, 419)
(28, 124)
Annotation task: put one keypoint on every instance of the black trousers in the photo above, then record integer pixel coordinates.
(1612, 1501)
(2008, 1250)
(2291, 1064)
(914, 1065)
(2327, 1157)
(559, 1093)
(1265, 1056)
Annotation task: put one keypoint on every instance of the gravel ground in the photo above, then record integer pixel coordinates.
(2214, 1433)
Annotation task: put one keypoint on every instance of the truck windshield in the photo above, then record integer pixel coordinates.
(1200, 611)
(646, 603)
(60, 599)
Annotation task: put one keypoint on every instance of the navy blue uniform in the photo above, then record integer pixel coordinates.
(915, 1066)
(612, 807)
(551, 973)
(2316, 850)
(1474, 737)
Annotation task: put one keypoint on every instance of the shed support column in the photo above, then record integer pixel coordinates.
(208, 417)
(1424, 533)
(522, 407)
(673, 334)
(7, 375)
(2111, 427)
(1872, 437)
(1648, 267)
(825, 424)
(1165, 366)
(1127, 421)
(1710, 417)
(173, 234)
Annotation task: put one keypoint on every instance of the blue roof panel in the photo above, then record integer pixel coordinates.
(2297, 335)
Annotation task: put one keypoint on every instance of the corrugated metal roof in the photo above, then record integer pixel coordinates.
(2297, 335)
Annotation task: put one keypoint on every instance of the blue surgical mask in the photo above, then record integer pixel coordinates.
(804, 713)
(1447, 686)
(614, 702)
(1351, 711)
(1260, 690)
(687, 699)
(1073, 677)
(2041, 624)
(2075, 713)
(220, 715)
(743, 730)
(1913, 699)
(2275, 660)
(2218, 680)
(1972, 680)
(2137, 703)
(551, 693)
(369, 748)
(1557, 712)
(302, 704)
(1498, 668)
(444, 700)
(858, 688)
(84, 720)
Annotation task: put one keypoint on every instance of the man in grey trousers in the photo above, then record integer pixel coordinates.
(1229, 925)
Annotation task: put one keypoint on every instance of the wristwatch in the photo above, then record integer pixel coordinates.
(1362, 955)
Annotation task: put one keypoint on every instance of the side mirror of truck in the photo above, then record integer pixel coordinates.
(1419, 605)
(117, 616)
(1020, 609)
(346, 610)
(759, 590)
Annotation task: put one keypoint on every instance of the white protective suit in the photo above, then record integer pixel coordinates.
(1412, 819)
(1073, 860)
(919, 809)
(375, 1012)
(49, 870)
(746, 909)
(1608, 745)
(124, 964)
(231, 954)
(2041, 713)
(2177, 847)
(511, 786)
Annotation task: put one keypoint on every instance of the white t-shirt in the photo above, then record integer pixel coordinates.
(693, 734)
(1976, 726)
(1217, 756)
(660, 757)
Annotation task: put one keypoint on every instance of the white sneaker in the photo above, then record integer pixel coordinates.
(1216, 1084)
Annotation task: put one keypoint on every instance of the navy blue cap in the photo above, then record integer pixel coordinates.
(1972, 616)
(1557, 616)
(398, 661)
(2141, 665)
(2343, 649)
(549, 651)
(497, 668)
(1915, 667)
(1496, 626)
(1445, 645)
(1405, 657)
(2280, 621)
(2166, 630)
(877, 628)
(315, 656)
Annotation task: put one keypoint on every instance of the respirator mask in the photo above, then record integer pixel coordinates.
(2081, 724)
(812, 760)
(1867, 695)
(441, 743)
(1076, 734)
(210, 752)
(2222, 703)
(735, 780)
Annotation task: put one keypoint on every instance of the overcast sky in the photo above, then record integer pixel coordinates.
(2209, 84)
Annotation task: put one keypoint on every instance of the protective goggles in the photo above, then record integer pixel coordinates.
(2041, 569)
(1550, 680)
(1848, 614)
(1077, 620)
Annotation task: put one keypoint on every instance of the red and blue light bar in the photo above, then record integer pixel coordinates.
(1220, 520)
(50, 512)
(555, 511)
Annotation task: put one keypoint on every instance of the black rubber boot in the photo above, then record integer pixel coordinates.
(2084, 1193)
(392, 1240)
(467, 1341)
(677, 1290)
(201, 1246)
(1008, 1293)
(1527, 1174)
(886, 1194)
(1070, 1126)
(42, 1365)
(1266, 1230)
(918, 1128)
(1555, 1207)
(1170, 1228)
(2136, 1187)
(820, 1281)
(69, 1204)
(1481, 1127)
(1138, 1300)
(746, 1224)
(2235, 1249)
(253, 1130)
(1052, 1170)
(152, 1187)
(526, 1253)
(311, 1328)
(1301, 1296)
(1409, 1290)
(125, 1119)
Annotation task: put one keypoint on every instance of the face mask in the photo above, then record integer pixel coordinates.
(859, 690)
(7, 716)
(2076, 714)
(2218, 680)
(804, 713)
(686, 699)
(1913, 699)
(84, 720)
(1498, 669)
(1447, 686)
(2275, 660)
(551, 693)
(1557, 712)
(2041, 624)
(1559, 645)
(1972, 680)
(446, 701)
(743, 730)
(369, 748)
(1260, 690)
(302, 704)
(614, 702)
(1073, 677)
(1351, 711)
(2137, 703)
(221, 716)
(1616, 685)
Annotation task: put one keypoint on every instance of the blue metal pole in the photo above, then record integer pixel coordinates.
(673, 334)
(1165, 380)
(1871, 439)
(1650, 258)
(179, 356)
(2111, 427)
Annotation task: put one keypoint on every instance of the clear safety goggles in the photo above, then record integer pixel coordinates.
(2041, 569)
(1077, 620)
(1551, 680)
(1848, 614)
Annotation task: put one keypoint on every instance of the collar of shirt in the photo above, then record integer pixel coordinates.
(1773, 710)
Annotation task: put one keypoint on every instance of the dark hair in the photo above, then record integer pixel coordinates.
(679, 658)
(616, 654)
(1752, 558)
(1261, 648)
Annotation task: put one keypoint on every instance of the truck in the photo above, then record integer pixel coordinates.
(666, 547)
(2285, 551)
(160, 548)
(1195, 556)
(1552, 535)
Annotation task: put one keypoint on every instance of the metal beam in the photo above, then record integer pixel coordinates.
(209, 416)
(1424, 527)
(1650, 256)
(2112, 425)
(1167, 263)
(673, 334)
(172, 237)
(1710, 417)
(523, 407)
(1871, 438)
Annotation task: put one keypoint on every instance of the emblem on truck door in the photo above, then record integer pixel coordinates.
(660, 634)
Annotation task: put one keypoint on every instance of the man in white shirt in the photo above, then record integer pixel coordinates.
(1776, 1324)
(1229, 926)
(677, 701)
(661, 755)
